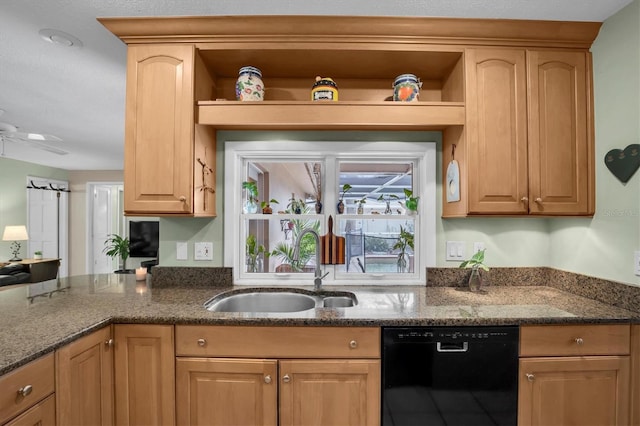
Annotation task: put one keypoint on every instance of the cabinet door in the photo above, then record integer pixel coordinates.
(144, 375)
(84, 380)
(226, 392)
(560, 142)
(330, 392)
(159, 129)
(574, 391)
(496, 131)
(41, 414)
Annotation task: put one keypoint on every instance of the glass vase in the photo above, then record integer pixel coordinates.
(475, 280)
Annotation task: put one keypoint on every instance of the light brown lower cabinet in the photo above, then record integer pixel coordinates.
(574, 375)
(41, 414)
(222, 380)
(84, 380)
(144, 374)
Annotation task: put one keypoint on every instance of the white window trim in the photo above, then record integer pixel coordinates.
(237, 152)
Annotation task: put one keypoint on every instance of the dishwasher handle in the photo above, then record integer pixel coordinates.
(452, 347)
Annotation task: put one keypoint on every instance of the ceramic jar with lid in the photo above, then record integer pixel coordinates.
(324, 89)
(406, 88)
(249, 86)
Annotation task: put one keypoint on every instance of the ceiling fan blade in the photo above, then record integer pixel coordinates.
(35, 144)
(36, 137)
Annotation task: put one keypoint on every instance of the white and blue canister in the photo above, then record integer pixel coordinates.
(249, 86)
(406, 88)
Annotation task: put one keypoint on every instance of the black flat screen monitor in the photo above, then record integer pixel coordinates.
(144, 238)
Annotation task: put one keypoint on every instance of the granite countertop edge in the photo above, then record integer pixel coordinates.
(93, 302)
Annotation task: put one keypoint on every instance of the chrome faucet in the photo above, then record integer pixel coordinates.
(317, 281)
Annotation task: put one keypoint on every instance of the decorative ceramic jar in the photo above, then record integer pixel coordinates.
(406, 88)
(249, 86)
(324, 89)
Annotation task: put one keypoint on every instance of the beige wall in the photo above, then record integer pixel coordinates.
(78, 180)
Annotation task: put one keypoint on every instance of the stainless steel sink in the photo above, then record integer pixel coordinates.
(278, 300)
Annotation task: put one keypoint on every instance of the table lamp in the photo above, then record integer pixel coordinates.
(15, 233)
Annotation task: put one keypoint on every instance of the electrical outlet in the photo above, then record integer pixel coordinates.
(636, 262)
(455, 251)
(203, 251)
(478, 247)
(182, 252)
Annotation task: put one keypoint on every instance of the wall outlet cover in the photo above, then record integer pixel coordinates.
(182, 250)
(636, 262)
(203, 251)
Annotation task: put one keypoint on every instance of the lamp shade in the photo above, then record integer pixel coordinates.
(15, 233)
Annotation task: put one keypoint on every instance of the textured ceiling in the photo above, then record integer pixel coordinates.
(77, 94)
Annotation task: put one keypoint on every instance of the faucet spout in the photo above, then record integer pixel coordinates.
(317, 281)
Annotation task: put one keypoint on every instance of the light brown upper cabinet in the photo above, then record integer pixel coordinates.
(169, 161)
(527, 145)
(513, 96)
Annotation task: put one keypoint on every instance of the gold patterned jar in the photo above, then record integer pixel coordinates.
(324, 89)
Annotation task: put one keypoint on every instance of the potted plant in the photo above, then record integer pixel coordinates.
(37, 255)
(387, 209)
(360, 202)
(266, 206)
(254, 250)
(405, 241)
(284, 251)
(251, 204)
(475, 264)
(345, 188)
(411, 202)
(116, 246)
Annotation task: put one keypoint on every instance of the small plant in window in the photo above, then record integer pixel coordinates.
(266, 206)
(254, 250)
(405, 241)
(345, 188)
(387, 209)
(251, 204)
(360, 202)
(411, 202)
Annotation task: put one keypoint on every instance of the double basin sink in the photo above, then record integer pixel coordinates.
(279, 300)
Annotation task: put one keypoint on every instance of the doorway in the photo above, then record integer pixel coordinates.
(105, 216)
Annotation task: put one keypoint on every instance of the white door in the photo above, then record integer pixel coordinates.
(47, 222)
(102, 227)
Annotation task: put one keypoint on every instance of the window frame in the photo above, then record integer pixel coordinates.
(329, 153)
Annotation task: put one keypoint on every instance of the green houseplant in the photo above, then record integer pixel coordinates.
(411, 202)
(405, 241)
(266, 206)
(37, 254)
(340, 207)
(254, 250)
(475, 264)
(284, 250)
(251, 204)
(116, 246)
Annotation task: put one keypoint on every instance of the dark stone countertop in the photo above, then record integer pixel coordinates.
(38, 318)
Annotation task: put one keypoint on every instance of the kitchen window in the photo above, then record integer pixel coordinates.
(386, 241)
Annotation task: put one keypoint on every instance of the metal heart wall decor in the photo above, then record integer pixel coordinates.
(623, 163)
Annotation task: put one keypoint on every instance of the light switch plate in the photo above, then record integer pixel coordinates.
(636, 262)
(182, 252)
(455, 251)
(203, 251)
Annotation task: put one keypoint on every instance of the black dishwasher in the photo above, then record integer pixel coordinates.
(463, 376)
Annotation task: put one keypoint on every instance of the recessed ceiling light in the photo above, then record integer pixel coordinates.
(59, 37)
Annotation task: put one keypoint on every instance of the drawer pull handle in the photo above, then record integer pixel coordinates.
(25, 391)
(538, 200)
(202, 342)
(530, 377)
(579, 341)
(109, 343)
(267, 379)
(524, 199)
(286, 378)
(353, 344)
(183, 198)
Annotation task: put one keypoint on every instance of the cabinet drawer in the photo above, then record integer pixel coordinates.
(38, 374)
(561, 340)
(278, 342)
(42, 414)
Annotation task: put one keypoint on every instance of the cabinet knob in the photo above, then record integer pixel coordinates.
(353, 344)
(183, 198)
(109, 343)
(286, 378)
(524, 199)
(25, 391)
(202, 342)
(530, 377)
(267, 379)
(538, 200)
(579, 341)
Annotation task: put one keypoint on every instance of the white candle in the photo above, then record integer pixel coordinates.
(141, 274)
